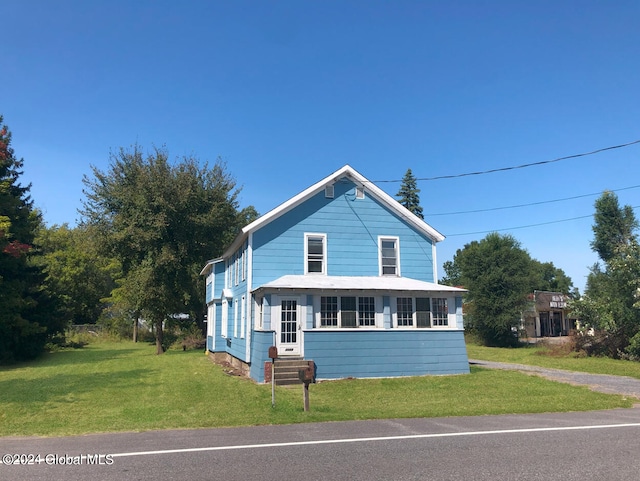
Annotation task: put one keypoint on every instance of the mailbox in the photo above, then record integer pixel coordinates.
(306, 375)
(273, 352)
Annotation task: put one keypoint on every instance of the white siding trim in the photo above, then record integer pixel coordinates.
(251, 308)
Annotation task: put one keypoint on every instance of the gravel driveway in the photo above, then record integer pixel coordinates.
(624, 385)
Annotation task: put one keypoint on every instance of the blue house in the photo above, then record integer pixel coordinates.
(342, 275)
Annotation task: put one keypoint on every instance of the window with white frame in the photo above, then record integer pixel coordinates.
(440, 311)
(389, 258)
(404, 311)
(347, 311)
(315, 248)
(421, 312)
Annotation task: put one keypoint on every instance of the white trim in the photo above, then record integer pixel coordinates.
(397, 247)
(435, 263)
(307, 235)
(243, 315)
(224, 325)
(359, 191)
(211, 324)
(235, 318)
(250, 301)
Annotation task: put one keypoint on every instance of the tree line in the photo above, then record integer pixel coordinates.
(147, 225)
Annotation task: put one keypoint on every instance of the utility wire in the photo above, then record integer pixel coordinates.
(527, 226)
(502, 169)
(490, 209)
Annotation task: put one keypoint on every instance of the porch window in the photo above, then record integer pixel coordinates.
(405, 311)
(366, 311)
(329, 311)
(440, 312)
(421, 312)
(388, 251)
(347, 311)
(315, 248)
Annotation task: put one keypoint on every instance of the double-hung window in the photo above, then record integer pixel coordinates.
(389, 256)
(347, 311)
(315, 253)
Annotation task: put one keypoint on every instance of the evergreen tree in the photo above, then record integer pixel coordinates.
(28, 315)
(409, 194)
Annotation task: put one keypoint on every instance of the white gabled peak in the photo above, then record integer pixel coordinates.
(358, 179)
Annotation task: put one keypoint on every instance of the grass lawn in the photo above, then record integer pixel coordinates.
(556, 357)
(108, 386)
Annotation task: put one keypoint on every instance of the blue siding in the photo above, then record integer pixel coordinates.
(386, 353)
(352, 227)
(209, 292)
(218, 279)
(261, 341)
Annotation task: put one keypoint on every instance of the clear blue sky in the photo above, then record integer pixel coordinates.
(287, 92)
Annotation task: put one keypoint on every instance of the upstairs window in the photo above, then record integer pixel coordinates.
(389, 257)
(315, 247)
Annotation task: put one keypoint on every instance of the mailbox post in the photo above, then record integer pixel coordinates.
(273, 354)
(306, 376)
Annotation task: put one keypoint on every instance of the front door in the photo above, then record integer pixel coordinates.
(289, 335)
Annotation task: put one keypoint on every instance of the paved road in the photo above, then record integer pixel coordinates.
(626, 386)
(600, 445)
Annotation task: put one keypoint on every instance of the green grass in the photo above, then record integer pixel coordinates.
(555, 357)
(125, 387)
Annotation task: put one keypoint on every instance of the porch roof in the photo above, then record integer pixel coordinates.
(366, 283)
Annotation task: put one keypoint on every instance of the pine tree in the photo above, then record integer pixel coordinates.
(408, 194)
(27, 313)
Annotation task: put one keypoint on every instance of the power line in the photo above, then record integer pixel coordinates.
(526, 226)
(502, 169)
(490, 209)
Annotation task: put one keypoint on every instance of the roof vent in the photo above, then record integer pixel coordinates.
(328, 191)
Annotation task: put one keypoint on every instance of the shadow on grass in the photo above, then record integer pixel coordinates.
(66, 387)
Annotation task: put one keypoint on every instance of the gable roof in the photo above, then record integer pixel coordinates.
(358, 179)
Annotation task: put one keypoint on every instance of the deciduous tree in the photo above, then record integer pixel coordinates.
(499, 275)
(162, 220)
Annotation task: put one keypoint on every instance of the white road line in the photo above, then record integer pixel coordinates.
(381, 438)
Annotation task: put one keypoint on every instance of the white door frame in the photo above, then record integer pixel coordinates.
(288, 331)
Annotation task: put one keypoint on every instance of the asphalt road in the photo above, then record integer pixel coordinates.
(601, 445)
